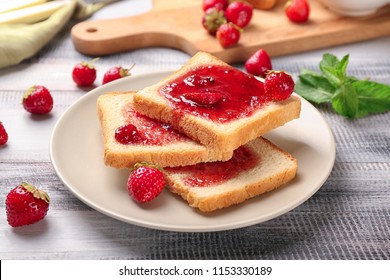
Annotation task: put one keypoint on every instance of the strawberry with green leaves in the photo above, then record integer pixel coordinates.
(25, 205)
(38, 100)
(115, 73)
(84, 73)
(212, 19)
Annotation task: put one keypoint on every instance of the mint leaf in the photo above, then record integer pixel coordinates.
(373, 97)
(345, 101)
(329, 60)
(313, 94)
(332, 75)
(349, 96)
(316, 80)
(333, 69)
(313, 87)
(342, 66)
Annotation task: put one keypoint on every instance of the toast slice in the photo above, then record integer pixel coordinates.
(220, 120)
(255, 168)
(164, 147)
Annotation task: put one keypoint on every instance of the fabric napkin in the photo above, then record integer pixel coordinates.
(21, 41)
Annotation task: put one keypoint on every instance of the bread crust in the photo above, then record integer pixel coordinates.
(222, 137)
(276, 169)
(117, 155)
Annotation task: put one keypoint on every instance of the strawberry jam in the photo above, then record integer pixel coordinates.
(150, 131)
(212, 173)
(217, 93)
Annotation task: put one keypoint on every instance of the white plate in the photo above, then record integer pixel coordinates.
(76, 152)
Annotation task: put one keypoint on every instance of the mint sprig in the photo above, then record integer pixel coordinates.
(348, 96)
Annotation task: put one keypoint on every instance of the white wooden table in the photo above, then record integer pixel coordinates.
(348, 218)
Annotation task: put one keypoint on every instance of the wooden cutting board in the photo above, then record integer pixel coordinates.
(177, 24)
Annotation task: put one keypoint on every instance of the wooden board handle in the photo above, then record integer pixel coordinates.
(167, 28)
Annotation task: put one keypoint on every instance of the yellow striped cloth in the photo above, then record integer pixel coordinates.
(19, 41)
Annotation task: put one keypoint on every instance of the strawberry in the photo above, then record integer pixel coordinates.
(259, 63)
(279, 85)
(220, 4)
(239, 13)
(212, 19)
(25, 204)
(145, 182)
(297, 10)
(37, 100)
(84, 73)
(228, 34)
(115, 73)
(204, 98)
(128, 134)
(3, 135)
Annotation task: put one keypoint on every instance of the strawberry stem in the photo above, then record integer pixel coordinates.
(37, 193)
(139, 164)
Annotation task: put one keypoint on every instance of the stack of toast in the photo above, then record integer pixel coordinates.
(212, 151)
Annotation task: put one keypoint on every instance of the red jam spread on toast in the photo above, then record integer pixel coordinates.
(217, 93)
(212, 173)
(151, 132)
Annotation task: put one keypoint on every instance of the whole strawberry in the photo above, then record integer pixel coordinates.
(239, 13)
(115, 73)
(212, 19)
(25, 204)
(3, 135)
(297, 10)
(37, 100)
(84, 73)
(145, 183)
(259, 63)
(278, 85)
(220, 4)
(228, 34)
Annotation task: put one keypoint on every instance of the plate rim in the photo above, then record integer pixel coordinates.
(160, 226)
